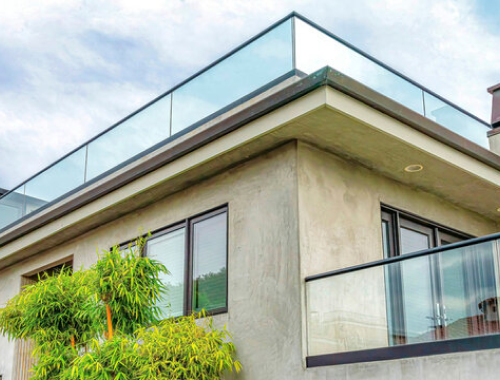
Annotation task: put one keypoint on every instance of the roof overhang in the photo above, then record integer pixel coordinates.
(326, 109)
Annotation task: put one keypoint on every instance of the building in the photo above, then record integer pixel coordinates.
(339, 217)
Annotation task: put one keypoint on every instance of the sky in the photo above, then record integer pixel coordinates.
(70, 69)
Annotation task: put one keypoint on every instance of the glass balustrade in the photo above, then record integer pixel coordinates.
(260, 62)
(12, 206)
(316, 50)
(57, 180)
(455, 120)
(441, 295)
(129, 138)
(249, 68)
(293, 43)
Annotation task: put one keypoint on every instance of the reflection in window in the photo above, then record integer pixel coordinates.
(209, 263)
(447, 295)
(195, 249)
(169, 249)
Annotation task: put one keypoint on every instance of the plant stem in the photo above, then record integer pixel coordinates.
(110, 324)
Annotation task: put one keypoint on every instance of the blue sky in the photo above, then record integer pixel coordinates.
(69, 69)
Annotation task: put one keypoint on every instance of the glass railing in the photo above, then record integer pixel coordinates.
(316, 48)
(440, 294)
(293, 43)
(249, 68)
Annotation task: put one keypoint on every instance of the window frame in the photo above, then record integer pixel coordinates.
(188, 224)
(190, 261)
(397, 218)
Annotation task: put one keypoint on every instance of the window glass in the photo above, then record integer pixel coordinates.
(209, 263)
(451, 294)
(413, 241)
(169, 249)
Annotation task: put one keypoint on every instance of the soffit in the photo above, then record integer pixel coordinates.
(352, 122)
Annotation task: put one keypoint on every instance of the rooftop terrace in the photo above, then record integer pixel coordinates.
(292, 46)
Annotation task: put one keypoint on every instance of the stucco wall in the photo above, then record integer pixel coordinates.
(264, 283)
(295, 196)
(340, 226)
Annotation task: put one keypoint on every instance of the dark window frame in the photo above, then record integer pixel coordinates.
(188, 224)
(397, 219)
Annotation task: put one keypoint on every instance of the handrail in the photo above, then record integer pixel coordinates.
(159, 97)
(390, 260)
(389, 68)
(292, 17)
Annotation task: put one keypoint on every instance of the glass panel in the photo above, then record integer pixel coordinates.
(209, 263)
(455, 120)
(415, 320)
(136, 134)
(347, 312)
(418, 300)
(12, 207)
(315, 50)
(445, 295)
(470, 296)
(61, 178)
(170, 250)
(257, 64)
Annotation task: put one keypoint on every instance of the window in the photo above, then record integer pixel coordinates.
(405, 233)
(24, 360)
(195, 253)
(438, 296)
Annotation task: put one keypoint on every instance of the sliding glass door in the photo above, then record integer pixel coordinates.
(418, 284)
(435, 297)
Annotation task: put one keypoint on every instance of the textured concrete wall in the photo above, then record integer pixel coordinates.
(295, 196)
(340, 226)
(494, 141)
(264, 283)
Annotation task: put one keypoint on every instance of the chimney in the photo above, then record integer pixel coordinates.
(494, 134)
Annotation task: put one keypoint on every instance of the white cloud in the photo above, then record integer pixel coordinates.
(72, 68)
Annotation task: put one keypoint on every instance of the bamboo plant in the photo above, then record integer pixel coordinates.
(103, 323)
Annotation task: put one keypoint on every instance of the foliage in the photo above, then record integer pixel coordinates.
(57, 313)
(130, 284)
(55, 308)
(117, 358)
(175, 349)
(66, 316)
(181, 349)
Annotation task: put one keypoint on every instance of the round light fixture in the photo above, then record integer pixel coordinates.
(413, 168)
(498, 209)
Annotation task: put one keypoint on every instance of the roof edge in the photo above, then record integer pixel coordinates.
(323, 77)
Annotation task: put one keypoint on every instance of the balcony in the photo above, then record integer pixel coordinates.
(293, 46)
(436, 301)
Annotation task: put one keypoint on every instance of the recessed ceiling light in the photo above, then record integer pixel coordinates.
(413, 168)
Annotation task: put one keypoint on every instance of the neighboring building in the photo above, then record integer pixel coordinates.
(291, 183)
